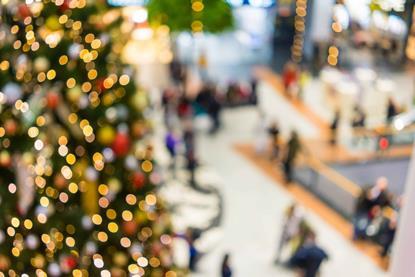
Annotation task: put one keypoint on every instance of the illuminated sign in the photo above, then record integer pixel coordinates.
(233, 3)
(391, 5)
(253, 3)
(122, 3)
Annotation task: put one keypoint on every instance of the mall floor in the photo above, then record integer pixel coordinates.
(254, 206)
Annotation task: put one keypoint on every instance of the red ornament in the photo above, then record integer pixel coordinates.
(65, 6)
(121, 144)
(10, 127)
(24, 11)
(130, 228)
(70, 262)
(100, 84)
(156, 248)
(60, 182)
(138, 180)
(5, 160)
(52, 100)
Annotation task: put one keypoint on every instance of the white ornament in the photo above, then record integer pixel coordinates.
(22, 61)
(111, 114)
(41, 64)
(131, 163)
(91, 174)
(32, 242)
(83, 102)
(108, 154)
(90, 248)
(122, 112)
(25, 184)
(13, 92)
(136, 249)
(54, 269)
(74, 51)
(87, 223)
(122, 128)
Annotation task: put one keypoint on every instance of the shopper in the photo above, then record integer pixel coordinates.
(274, 134)
(191, 167)
(291, 228)
(293, 148)
(184, 108)
(253, 97)
(387, 234)
(193, 253)
(378, 194)
(361, 216)
(359, 118)
(290, 78)
(226, 270)
(309, 257)
(177, 71)
(169, 102)
(171, 142)
(370, 203)
(214, 109)
(188, 137)
(333, 127)
(392, 110)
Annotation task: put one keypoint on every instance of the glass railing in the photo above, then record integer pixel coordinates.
(383, 138)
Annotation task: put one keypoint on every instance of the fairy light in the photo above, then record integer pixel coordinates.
(197, 9)
(333, 51)
(299, 25)
(58, 167)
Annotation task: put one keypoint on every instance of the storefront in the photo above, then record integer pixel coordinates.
(366, 33)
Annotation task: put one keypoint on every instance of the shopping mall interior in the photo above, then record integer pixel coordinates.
(170, 138)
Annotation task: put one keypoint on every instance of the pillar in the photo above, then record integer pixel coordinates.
(402, 264)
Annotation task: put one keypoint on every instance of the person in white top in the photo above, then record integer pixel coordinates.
(291, 227)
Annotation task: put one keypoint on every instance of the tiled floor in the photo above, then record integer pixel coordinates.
(254, 206)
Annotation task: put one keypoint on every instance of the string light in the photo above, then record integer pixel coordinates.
(299, 25)
(59, 118)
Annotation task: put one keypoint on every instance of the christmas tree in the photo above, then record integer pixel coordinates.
(212, 16)
(78, 179)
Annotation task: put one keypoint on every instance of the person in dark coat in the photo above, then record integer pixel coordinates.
(214, 109)
(359, 118)
(226, 270)
(188, 137)
(293, 148)
(391, 111)
(193, 252)
(361, 214)
(387, 234)
(379, 194)
(333, 127)
(274, 134)
(309, 257)
(171, 142)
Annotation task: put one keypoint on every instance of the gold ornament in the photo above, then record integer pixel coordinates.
(140, 100)
(74, 94)
(90, 197)
(120, 259)
(106, 135)
(140, 217)
(52, 23)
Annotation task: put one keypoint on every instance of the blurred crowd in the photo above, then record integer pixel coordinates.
(185, 114)
(377, 214)
(298, 248)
